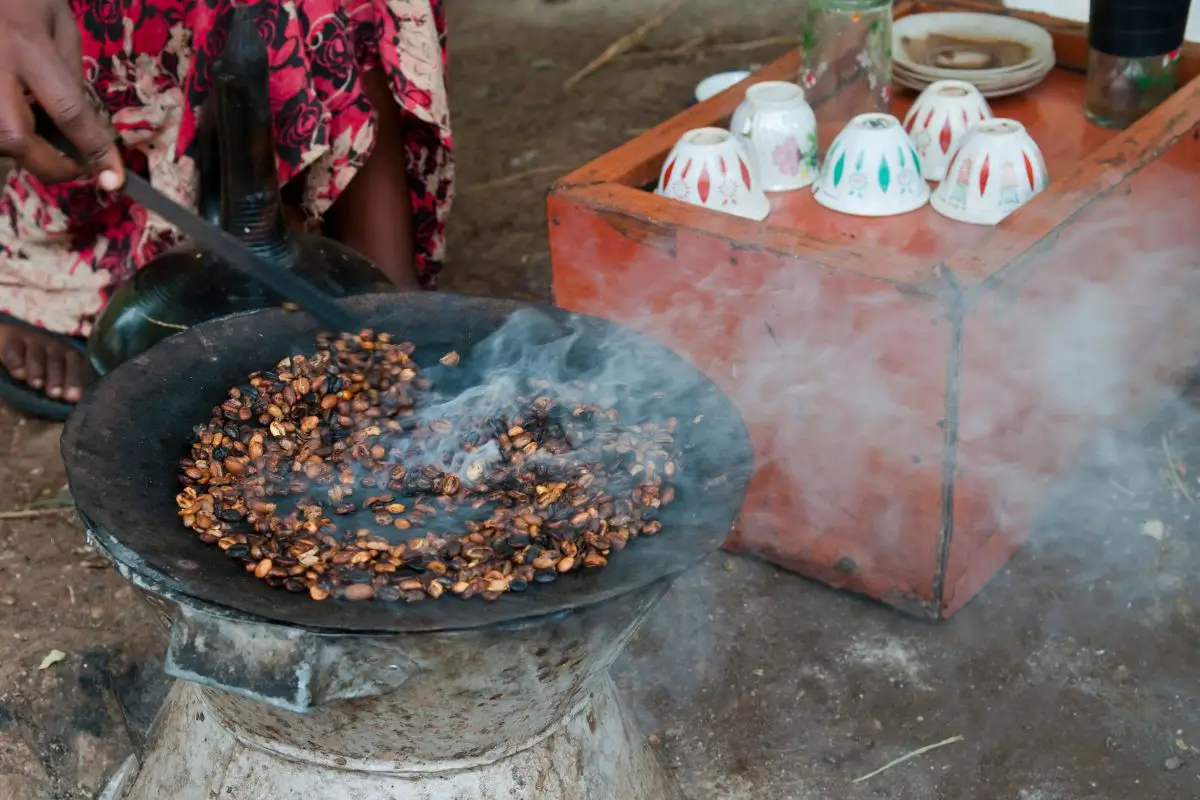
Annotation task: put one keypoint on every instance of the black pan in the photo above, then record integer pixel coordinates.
(124, 441)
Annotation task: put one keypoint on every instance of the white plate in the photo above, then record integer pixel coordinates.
(1026, 70)
(1049, 58)
(990, 92)
(713, 85)
(971, 25)
(910, 79)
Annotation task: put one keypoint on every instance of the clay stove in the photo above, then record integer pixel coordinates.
(279, 696)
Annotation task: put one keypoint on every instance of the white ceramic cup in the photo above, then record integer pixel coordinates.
(709, 167)
(779, 131)
(939, 118)
(996, 168)
(871, 170)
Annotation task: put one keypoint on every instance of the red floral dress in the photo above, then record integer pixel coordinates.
(65, 248)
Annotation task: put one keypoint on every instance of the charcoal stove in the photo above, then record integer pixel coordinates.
(279, 696)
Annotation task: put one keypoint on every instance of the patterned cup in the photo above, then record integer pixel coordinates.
(709, 167)
(779, 131)
(996, 168)
(939, 118)
(871, 170)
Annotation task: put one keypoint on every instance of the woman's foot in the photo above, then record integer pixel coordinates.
(44, 362)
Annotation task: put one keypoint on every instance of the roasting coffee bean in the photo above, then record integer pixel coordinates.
(327, 475)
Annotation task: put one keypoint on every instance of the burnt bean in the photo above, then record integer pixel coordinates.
(508, 496)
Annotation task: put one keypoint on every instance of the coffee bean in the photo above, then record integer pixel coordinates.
(494, 499)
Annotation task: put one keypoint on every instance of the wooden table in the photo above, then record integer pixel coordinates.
(913, 384)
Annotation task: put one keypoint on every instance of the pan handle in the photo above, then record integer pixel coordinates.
(289, 668)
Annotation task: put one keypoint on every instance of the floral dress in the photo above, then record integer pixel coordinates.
(65, 248)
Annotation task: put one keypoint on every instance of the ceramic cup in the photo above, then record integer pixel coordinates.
(871, 170)
(939, 118)
(709, 167)
(996, 168)
(779, 131)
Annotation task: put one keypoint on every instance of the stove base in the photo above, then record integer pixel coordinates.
(595, 754)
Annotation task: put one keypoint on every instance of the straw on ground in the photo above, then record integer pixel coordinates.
(908, 757)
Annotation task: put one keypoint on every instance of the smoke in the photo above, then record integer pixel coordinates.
(869, 398)
(577, 363)
(865, 396)
(582, 392)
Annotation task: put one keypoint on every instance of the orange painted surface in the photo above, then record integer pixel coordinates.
(820, 363)
(883, 366)
(1066, 342)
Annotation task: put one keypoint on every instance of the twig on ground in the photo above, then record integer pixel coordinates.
(698, 45)
(908, 757)
(1120, 488)
(1173, 471)
(625, 43)
(33, 513)
(515, 177)
(61, 500)
(41, 508)
(688, 47)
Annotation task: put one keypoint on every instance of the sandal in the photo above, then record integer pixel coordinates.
(23, 398)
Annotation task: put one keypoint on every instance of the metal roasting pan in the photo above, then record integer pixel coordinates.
(124, 441)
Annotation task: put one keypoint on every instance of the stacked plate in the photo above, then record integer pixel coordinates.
(999, 55)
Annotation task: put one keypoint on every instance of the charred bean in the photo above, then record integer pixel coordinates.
(510, 496)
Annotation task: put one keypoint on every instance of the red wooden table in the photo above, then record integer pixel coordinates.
(913, 384)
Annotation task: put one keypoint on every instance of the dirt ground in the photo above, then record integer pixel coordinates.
(1071, 676)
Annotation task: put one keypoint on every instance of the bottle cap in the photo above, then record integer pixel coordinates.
(1137, 28)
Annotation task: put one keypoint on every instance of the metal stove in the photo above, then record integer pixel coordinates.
(278, 696)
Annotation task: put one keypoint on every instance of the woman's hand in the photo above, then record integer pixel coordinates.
(39, 56)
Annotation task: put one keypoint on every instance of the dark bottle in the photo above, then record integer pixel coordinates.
(1133, 57)
(239, 189)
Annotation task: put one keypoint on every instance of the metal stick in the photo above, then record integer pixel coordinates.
(283, 282)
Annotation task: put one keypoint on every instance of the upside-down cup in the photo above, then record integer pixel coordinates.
(996, 168)
(871, 170)
(779, 131)
(709, 167)
(939, 118)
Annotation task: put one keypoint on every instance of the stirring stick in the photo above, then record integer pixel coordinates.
(282, 281)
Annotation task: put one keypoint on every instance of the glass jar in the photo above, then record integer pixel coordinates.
(1133, 57)
(847, 67)
(1120, 91)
